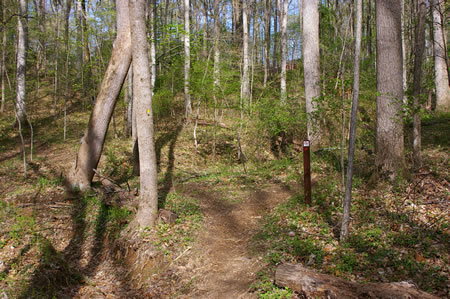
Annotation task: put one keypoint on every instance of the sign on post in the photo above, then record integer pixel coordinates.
(307, 171)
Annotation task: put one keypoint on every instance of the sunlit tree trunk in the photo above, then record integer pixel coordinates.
(389, 133)
(245, 89)
(153, 43)
(187, 61)
(92, 142)
(22, 40)
(283, 28)
(405, 79)
(311, 60)
(440, 64)
(419, 49)
(3, 69)
(148, 203)
(216, 44)
(267, 19)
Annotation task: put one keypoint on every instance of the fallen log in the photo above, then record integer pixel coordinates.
(311, 284)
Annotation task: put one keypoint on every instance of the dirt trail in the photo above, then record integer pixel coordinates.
(225, 267)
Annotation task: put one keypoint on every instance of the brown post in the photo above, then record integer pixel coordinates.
(307, 172)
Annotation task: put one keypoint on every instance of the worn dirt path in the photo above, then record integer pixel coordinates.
(224, 265)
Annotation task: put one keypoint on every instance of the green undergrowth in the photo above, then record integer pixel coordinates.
(386, 243)
(171, 239)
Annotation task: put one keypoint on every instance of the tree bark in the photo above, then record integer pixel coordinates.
(311, 60)
(389, 134)
(275, 37)
(353, 119)
(405, 78)
(153, 43)
(284, 14)
(419, 49)
(216, 45)
(267, 25)
(94, 137)
(245, 88)
(187, 61)
(369, 28)
(148, 204)
(311, 284)
(22, 40)
(440, 64)
(3, 69)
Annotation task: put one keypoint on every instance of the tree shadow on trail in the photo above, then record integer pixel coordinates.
(61, 274)
(170, 137)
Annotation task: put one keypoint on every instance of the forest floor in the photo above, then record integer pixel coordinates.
(234, 225)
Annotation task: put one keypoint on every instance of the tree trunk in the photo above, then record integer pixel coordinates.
(237, 20)
(311, 284)
(369, 28)
(267, 19)
(311, 67)
(440, 64)
(216, 45)
(153, 43)
(389, 134)
(419, 49)
(275, 37)
(22, 40)
(284, 15)
(3, 69)
(148, 204)
(94, 137)
(405, 79)
(353, 118)
(245, 89)
(86, 52)
(68, 6)
(128, 101)
(187, 61)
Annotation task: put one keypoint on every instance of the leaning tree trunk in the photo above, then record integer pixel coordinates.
(440, 64)
(311, 62)
(389, 132)
(187, 61)
(283, 28)
(148, 204)
(419, 48)
(353, 118)
(92, 142)
(22, 36)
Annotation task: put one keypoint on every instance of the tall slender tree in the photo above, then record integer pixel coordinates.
(311, 62)
(22, 41)
(419, 49)
(245, 87)
(3, 68)
(267, 25)
(353, 119)
(187, 61)
(440, 63)
(283, 27)
(389, 132)
(148, 204)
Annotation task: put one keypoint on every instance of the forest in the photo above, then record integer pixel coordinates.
(224, 149)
